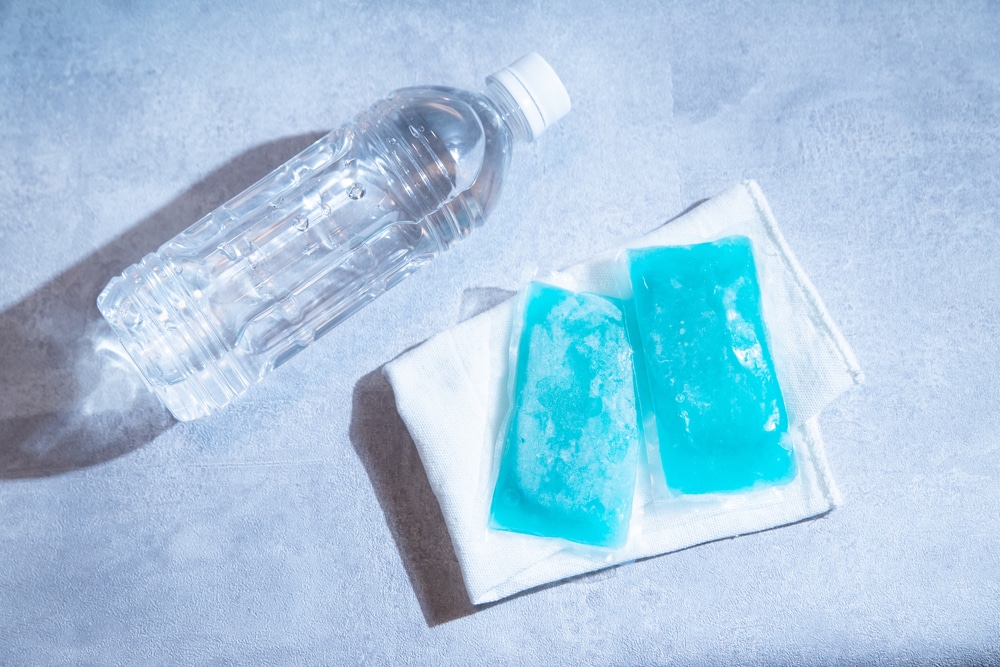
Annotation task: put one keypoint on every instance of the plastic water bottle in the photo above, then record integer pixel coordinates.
(257, 280)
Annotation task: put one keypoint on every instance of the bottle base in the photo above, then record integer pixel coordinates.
(162, 331)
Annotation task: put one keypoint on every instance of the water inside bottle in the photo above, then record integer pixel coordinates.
(256, 281)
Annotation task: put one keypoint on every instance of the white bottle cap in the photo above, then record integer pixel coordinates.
(536, 88)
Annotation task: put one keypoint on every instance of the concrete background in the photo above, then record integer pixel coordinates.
(297, 525)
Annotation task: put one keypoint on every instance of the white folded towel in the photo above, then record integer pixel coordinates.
(451, 392)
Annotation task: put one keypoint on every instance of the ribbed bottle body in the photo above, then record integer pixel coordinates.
(256, 281)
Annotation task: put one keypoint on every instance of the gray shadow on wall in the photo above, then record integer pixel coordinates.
(69, 396)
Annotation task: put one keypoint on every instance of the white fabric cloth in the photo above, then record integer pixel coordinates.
(451, 393)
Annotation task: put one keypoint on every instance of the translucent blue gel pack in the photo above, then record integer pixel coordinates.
(568, 452)
(711, 401)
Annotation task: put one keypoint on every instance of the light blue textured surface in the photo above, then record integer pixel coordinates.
(297, 525)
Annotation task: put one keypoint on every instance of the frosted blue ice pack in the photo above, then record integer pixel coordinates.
(568, 453)
(712, 404)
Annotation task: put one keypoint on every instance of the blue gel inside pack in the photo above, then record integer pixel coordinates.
(720, 416)
(569, 456)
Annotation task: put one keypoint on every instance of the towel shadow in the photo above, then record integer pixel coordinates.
(397, 474)
(69, 397)
(411, 510)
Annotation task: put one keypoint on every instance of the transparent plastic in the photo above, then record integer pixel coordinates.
(259, 279)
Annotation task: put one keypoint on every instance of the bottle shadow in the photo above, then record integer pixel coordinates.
(69, 396)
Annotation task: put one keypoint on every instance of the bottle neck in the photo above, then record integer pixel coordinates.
(510, 112)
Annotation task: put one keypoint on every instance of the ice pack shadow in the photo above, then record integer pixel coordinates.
(68, 399)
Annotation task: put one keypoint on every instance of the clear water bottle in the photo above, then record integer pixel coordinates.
(257, 280)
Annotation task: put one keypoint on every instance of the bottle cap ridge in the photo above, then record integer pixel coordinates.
(536, 88)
